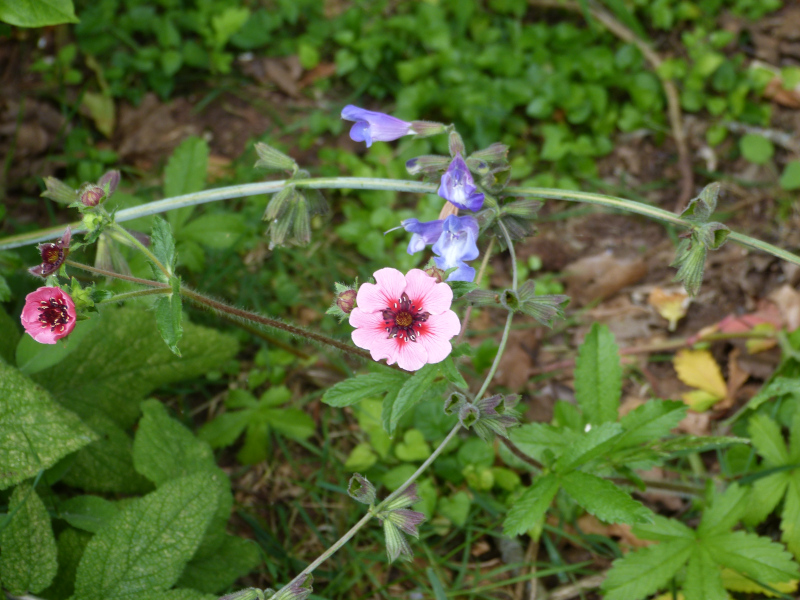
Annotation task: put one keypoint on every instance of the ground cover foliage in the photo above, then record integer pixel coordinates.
(163, 452)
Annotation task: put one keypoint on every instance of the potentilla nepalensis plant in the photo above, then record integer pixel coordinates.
(410, 321)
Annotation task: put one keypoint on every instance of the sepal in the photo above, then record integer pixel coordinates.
(361, 490)
(700, 209)
(58, 191)
(270, 158)
(430, 165)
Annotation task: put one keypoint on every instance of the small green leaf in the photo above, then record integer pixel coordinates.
(28, 546)
(765, 495)
(537, 440)
(790, 518)
(291, 422)
(451, 373)
(603, 499)
(790, 179)
(412, 392)
(645, 571)
(662, 529)
(147, 547)
(689, 444)
(35, 431)
(455, 508)
(780, 386)
(756, 148)
(529, 510)
(37, 13)
(355, 389)
(413, 447)
(589, 446)
(224, 429)
(768, 440)
(598, 376)
(90, 513)
(163, 248)
(169, 315)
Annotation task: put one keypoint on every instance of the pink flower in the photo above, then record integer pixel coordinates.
(405, 318)
(53, 255)
(49, 315)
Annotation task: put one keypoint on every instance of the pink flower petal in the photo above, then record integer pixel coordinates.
(410, 356)
(436, 333)
(370, 330)
(30, 315)
(426, 294)
(391, 284)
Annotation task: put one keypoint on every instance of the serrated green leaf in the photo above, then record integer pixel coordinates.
(33, 357)
(185, 173)
(291, 422)
(124, 359)
(645, 571)
(451, 373)
(768, 440)
(780, 386)
(9, 334)
(703, 578)
(37, 13)
(529, 509)
(765, 495)
(71, 544)
(164, 449)
(752, 555)
(371, 385)
(224, 429)
(725, 511)
(538, 439)
(214, 573)
(417, 387)
(35, 432)
(89, 513)
(790, 517)
(598, 376)
(689, 444)
(27, 544)
(169, 316)
(603, 499)
(663, 529)
(653, 420)
(106, 465)
(589, 446)
(794, 438)
(147, 547)
(162, 244)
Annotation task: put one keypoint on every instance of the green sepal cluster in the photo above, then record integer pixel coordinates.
(273, 159)
(290, 211)
(344, 302)
(696, 558)
(545, 309)
(690, 256)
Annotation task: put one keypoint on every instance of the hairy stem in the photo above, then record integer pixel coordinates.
(136, 294)
(366, 183)
(468, 312)
(244, 315)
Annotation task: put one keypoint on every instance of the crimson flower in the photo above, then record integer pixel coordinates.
(405, 318)
(49, 315)
(53, 255)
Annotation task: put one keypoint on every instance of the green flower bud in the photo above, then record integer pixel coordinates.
(59, 191)
(270, 158)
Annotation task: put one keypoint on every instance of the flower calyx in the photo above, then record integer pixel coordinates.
(298, 589)
(398, 519)
(488, 417)
(275, 160)
(545, 309)
(290, 211)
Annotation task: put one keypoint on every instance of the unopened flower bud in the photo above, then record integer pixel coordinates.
(91, 195)
(495, 154)
(429, 164)
(468, 415)
(346, 301)
(109, 182)
(361, 490)
(436, 273)
(456, 144)
(53, 255)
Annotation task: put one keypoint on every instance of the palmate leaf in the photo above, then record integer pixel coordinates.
(650, 421)
(539, 440)
(589, 446)
(752, 555)
(27, 544)
(598, 376)
(790, 518)
(726, 510)
(768, 440)
(703, 578)
(645, 571)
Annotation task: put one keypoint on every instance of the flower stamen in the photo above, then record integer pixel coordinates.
(403, 320)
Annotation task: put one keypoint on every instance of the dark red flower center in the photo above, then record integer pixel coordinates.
(51, 254)
(53, 313)
(404, 320)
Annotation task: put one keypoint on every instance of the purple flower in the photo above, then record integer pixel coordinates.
(456, 245)
(458, 186)
(425, 233)
(53, 255)
(374, 126)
